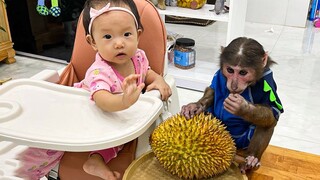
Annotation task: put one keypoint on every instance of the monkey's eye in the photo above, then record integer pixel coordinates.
(230, 70)
(243, 73)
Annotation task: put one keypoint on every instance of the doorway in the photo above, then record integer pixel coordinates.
(48, 35)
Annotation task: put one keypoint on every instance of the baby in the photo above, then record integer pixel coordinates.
(120, 71)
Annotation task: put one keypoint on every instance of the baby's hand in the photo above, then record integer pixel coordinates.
(162, 86)
(131, 91)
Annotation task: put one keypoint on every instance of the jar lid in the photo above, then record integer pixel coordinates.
(185, 42)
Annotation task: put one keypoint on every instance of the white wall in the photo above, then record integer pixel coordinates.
(282, 12)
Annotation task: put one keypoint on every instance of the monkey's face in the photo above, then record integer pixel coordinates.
(238, 78)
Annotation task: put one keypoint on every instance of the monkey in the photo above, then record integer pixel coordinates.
(243, 95)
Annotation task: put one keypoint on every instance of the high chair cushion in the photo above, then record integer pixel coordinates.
(71, 164)
(153, 42)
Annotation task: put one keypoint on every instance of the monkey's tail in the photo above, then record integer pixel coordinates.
(239, 159)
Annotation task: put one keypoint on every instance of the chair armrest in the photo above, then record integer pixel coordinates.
(154, 93)
(48, 75)
(173, 101)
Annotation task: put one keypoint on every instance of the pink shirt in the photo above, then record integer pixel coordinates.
(101, 76)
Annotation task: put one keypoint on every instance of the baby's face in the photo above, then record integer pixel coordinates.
(115, 36)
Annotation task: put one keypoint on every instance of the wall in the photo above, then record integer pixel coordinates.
(281, 12)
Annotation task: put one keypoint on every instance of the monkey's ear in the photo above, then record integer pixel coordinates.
(265, 59)
(221, 48)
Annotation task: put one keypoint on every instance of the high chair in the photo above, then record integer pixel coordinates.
(153, 42)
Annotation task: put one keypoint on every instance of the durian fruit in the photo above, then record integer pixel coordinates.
(197, 148)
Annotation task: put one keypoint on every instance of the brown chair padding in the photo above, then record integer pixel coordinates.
(153, 42)
(71, 163)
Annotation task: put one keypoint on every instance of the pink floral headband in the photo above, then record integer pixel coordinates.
(95, 13)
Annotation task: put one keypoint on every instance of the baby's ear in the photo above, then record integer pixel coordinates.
(139, 32)
(91, 41)
(88, 38)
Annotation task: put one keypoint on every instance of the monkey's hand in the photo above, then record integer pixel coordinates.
(251, 163)
(236, 104)
(191, 109)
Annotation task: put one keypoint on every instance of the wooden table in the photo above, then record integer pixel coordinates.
(281, 163)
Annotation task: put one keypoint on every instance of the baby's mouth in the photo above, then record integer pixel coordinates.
(121, 54)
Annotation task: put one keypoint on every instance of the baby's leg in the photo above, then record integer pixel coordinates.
(36, 163)
(96, 166)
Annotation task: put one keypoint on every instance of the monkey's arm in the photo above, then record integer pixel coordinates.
(207, 98)
(263, 117)
(202, 104)
(259, 115)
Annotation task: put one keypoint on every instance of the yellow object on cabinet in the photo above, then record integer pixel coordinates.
(193, 4)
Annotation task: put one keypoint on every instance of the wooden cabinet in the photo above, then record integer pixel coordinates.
(7, 52)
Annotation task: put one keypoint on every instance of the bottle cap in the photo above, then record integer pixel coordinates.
(185, 42)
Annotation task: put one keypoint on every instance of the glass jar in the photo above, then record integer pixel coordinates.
(184, 53)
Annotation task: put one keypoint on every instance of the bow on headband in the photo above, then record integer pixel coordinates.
(96, 13)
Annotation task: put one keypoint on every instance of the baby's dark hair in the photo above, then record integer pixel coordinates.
(245, 52)
(114, 3)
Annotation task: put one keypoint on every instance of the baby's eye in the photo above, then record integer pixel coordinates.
(107, 36)
(127, 34)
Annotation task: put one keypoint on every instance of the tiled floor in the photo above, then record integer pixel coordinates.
(297, 51)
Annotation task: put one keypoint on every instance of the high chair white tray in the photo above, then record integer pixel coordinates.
(46, 115)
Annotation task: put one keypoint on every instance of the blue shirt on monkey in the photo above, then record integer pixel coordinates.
(263, 92)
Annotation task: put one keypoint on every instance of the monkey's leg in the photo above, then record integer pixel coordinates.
(258, 144)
